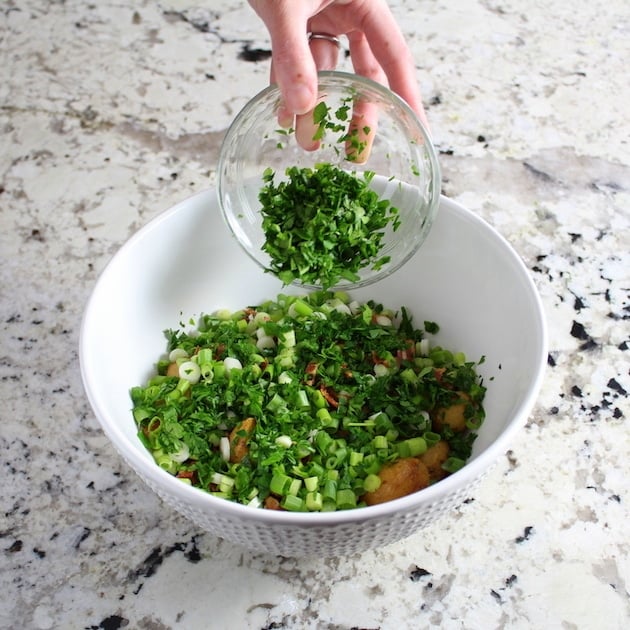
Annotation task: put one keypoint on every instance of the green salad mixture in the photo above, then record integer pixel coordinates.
(309, 403)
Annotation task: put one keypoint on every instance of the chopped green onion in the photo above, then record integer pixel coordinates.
(314, 501)
(302, 399)
(165, 462)
(371, 483)
(346, 499)
(292, 503)
(311, 483)
(177, 353)
(284, 441)
(417, 446)
(356, 458)
(280, 484)
(330, 490)
(380, 441)
(453, 464)
(294, 486)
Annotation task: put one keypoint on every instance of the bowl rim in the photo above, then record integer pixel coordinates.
(474, 469)
(435, 182)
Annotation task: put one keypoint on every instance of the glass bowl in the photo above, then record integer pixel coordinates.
(401, 157)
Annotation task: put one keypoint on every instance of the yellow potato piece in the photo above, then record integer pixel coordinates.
(399, 479)
(239, 438)
(452, 416)
(434, 457)
(173, 369)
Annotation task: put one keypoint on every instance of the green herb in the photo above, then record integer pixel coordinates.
(324, 224)
(329, 121)
(317, 393)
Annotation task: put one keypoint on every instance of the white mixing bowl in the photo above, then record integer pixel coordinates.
(465, 277)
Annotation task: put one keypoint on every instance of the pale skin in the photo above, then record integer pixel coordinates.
(378, 51)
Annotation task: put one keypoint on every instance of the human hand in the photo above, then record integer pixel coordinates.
(377, 49)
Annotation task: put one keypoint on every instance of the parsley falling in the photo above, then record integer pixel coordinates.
(352, 137)
(323, 224)
(309, 403)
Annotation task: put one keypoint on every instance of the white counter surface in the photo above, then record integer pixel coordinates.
(110, 113)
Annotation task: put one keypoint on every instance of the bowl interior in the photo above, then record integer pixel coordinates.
(402, 157)
(184, 263)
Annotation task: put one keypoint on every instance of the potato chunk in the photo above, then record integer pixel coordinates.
(399, 479)
(239, 438)
(454, 415)
(434, 457)
(271, 503)
(173, 369)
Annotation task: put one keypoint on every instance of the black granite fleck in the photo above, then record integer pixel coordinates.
(418, 573)
(537, 172)
(615, 386)
(578, 331)
(156, 557)
(591, 344)
(607, 186)
(254, 54)
(149, 565)
(82, 536)
(15, 547)
(527, 532)
(578, 303)
(512, 459)
(198, 23)
(113, 622)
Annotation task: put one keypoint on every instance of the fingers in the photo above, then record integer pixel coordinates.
(362, 129)
(377, 47)
(325, 54)
(293, 67)
(363, 60)
(305, 129)
(390, 51)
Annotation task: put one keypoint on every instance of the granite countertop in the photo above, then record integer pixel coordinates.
(111, 112)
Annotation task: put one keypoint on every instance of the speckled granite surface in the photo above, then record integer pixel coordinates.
(111, 112)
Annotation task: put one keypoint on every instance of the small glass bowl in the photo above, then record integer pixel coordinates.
(402, 157)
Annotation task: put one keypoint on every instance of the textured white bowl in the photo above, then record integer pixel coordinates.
(466, 277)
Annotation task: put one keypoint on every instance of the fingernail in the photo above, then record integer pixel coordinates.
(300, 98)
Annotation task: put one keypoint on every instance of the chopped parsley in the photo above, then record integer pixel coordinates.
(323, 224)
(299, 403)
